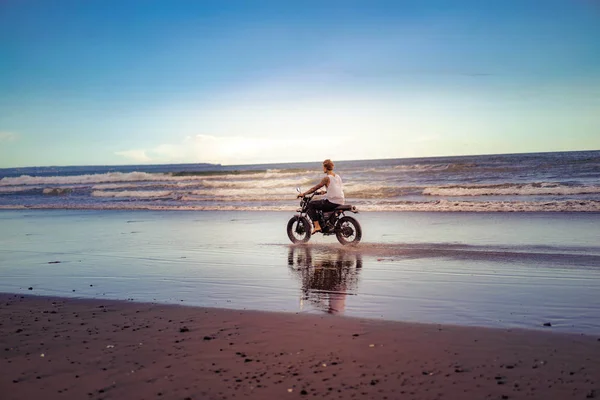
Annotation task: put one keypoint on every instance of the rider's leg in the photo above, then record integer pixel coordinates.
(328, 206)
(313, 206)
(325, 207)
(317, 227)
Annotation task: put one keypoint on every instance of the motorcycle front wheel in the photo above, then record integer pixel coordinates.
(299, 229)
(348, 231)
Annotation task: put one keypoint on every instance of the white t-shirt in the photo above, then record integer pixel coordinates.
(335, 194)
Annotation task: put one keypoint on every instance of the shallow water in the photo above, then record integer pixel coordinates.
(498, 270)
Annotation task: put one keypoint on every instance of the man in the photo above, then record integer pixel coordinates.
(333, 198)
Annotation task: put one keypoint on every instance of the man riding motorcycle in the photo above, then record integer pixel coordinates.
(334, 196)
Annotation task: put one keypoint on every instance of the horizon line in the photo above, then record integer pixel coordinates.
(297, 162)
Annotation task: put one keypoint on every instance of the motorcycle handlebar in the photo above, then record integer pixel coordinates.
(311, 195)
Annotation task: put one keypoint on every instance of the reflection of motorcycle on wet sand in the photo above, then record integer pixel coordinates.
(327, 277)
(347, 229)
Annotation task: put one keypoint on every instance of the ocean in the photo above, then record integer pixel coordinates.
(535, 182)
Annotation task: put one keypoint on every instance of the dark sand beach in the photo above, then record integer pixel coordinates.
(56, 348)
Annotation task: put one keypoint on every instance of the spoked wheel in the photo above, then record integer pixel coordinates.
(299, 229)
(348, 231)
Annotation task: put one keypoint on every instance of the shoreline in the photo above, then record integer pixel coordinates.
(93, 348)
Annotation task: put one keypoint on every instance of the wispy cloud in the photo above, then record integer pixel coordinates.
(138, 156)
(8, 137)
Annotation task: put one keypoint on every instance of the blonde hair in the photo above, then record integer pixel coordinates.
(328, 164)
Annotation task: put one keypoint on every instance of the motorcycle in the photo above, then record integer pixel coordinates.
(346, 229)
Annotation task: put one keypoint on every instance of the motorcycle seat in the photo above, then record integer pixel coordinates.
(344, 207)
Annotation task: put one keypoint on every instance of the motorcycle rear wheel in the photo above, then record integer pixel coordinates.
(299, 229)
(348, 231)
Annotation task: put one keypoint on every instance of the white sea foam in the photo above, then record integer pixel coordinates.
(243, 192)
(421, 167)
(450, 167)
(276, 173)
(489, 206)
(283, 187)
(530, 189)
(258, 183)
(120, 180)
(140, 194)
(490, 183)
(146, 185)
(112, 186)
(84, 179)
(435, 206)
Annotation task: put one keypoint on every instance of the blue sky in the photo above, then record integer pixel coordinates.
(125, 82)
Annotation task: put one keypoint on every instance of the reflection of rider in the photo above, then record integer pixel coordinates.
(326, 280)
(333, 198)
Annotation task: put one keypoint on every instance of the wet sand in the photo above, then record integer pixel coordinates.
(58, 348)
(494, 270)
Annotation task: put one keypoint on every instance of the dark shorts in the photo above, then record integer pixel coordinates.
(323, 205)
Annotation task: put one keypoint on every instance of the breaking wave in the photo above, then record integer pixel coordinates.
(529, 182)
(109, 177)
(436, 167)
(434, 206)
(84, 179)
(138, 194)
(530, 189)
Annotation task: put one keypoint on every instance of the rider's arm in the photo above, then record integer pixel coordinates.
(324, 182)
